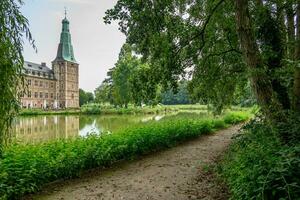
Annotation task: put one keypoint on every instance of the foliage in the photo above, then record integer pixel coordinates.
(13, 29)
(26, 168)
(224, 45)
(259, 166)
(129, 81)
(103, 93)
(181, 96)
(85, 97)
(108, 109)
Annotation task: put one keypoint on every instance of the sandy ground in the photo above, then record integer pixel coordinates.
(178, 173)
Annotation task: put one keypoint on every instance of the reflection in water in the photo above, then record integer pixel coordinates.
(35, 129)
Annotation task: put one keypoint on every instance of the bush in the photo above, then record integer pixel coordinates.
(26, 168)
(259, 166)
(91, 109)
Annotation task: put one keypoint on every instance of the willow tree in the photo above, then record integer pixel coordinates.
(224, 44)
(13, 29)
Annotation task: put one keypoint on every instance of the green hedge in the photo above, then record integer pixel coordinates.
(259, 166)
(26, 168)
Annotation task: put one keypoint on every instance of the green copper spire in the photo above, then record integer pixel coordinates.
(65, 48)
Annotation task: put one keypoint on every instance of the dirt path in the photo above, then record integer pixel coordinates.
(174, 174)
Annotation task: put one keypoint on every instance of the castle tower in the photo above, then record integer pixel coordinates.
(66, 70)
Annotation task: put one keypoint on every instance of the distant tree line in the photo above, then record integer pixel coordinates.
(85, 97)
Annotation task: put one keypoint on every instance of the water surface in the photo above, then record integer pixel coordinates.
(35, 129)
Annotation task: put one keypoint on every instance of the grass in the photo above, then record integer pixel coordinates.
(33, 112)
(260, 166)
(27, 168)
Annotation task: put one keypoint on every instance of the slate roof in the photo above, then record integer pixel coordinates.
(38, 70)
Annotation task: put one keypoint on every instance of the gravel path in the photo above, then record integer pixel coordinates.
(178, 173)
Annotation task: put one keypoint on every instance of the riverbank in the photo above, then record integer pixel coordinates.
(97, 109)
(27, 168)
(181, 172)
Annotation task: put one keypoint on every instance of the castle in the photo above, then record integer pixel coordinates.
(54, 88)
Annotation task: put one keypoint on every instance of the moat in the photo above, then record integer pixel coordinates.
(35, 129)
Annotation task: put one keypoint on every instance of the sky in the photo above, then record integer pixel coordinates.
(96, 45)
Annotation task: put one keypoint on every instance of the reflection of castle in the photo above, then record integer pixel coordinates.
(46, 128)
(57, 87)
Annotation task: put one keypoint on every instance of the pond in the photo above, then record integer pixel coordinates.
(36, 129)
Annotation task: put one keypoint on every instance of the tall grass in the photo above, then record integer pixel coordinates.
(259, 166)
(27, 168)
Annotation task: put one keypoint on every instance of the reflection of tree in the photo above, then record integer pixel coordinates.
(116, 122)
(85, 120)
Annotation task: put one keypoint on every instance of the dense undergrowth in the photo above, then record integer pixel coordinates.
(26, 168)
(261, 165)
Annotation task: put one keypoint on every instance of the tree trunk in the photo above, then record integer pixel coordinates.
(290, 31)
(296, 87)
(261, 84)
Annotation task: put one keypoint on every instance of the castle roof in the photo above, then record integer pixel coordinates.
(38, 70)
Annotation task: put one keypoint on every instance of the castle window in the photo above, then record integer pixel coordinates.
(36, 83)
(51, 95)
(29, 94)
(41, 95)
(33, 73)
(41, 84)
(29, 81)
(46, 95)
(39, 73)
(44, 74)
(72, 96)
(36, 95)
(51, 85)
(47, 84)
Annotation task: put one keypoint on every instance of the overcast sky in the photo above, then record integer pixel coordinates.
(96, 45)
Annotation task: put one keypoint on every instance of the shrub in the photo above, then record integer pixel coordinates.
(91, 109)
(26, 168)
(259, 166)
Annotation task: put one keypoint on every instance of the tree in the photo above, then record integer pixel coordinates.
(129, 81)
(121, 76)
(85, 97)
(224, 44)
(13, 27)
(144, 87)
(181, 96)
(103, 93)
